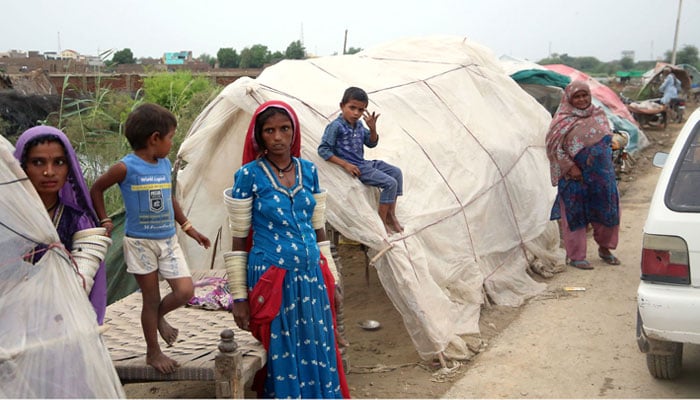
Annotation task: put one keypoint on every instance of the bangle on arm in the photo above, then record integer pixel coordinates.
(318, 218)
(325, 248)
(186, 226)
(105, 220)
(239, 214)
(236, 263)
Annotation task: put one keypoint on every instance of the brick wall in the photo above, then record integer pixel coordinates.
(87, 83)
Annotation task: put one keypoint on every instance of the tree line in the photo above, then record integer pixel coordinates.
(592, 66)
(258, 56)
(255, 56)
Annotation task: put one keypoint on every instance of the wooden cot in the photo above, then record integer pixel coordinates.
(210, 347)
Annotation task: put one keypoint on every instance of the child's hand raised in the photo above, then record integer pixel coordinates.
(371, 120)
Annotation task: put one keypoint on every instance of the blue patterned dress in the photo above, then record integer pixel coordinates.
(301, 360)
(595, 198)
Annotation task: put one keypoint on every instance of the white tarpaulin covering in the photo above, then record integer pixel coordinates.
(50, 346)
(470, 143)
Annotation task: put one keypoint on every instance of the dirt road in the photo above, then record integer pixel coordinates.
(582, 344)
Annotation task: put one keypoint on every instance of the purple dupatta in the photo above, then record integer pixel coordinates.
(75, 194)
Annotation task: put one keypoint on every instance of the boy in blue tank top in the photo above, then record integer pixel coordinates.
(150, 242)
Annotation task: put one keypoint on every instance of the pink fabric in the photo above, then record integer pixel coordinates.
(601, 92)
(576, 241)
(572, 130)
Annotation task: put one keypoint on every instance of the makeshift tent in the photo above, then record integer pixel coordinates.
(629, 74)
(620, 117)
(50, 346)
(654, 78)
(547, 87)
(693, 75)
(603, 93)
(470, 142)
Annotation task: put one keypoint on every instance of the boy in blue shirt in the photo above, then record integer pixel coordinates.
(150, 242)
(343, 144)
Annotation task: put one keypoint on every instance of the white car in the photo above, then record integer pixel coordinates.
(668, 297)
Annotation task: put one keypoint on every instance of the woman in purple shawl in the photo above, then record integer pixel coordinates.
(48, 158)
(579, 152)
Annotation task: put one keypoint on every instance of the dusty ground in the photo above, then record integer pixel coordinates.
(384, 363)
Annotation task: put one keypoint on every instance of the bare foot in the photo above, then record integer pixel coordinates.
(395, 224)
(161, 362)
(340, 339)
(387, 224)
(389, 231)
(167, 332)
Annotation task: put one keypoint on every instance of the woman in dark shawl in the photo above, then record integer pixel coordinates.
(49, 160)
(579, 152)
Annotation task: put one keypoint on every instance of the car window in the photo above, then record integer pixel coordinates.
(683, 192)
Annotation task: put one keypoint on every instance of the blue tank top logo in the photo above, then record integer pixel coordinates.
(156, 200)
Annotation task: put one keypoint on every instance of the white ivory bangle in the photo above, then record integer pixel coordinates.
(239, 214)
(236, 263)
(318, 219)
(325, 248)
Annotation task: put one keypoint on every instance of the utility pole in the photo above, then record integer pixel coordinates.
(675, 37)
(345, 42)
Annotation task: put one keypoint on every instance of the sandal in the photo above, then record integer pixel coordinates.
(609, 258)
(580, 264)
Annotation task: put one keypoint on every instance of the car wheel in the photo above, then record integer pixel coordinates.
(667, 366)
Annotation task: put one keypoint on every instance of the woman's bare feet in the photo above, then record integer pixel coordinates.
(167, 332)
(161, 362)
(340, 339)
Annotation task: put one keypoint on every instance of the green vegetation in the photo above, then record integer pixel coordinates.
(124, 56)
(95, 121)
(228, 58)
(254, 57)
(295, 51)
(594, 67)
(687, 55)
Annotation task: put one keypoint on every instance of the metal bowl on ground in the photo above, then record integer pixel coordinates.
(370, 325)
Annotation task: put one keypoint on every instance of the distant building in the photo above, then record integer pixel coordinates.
(69, 54)
(628, 54)
(94, 61)
(17, 54)
(177, 58)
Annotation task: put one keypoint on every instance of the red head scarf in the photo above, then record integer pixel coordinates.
(251, 151)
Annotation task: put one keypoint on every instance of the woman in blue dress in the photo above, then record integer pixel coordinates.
(278, 271)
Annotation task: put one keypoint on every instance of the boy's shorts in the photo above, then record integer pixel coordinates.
(144, 256)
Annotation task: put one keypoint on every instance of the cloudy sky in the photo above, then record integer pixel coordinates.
(528, 29)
